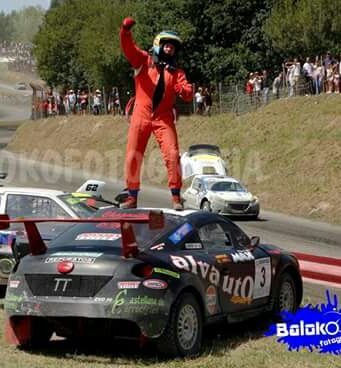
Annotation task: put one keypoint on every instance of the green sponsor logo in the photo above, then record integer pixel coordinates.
(170, 273)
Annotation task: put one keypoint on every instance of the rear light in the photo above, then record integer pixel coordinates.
(143, 270)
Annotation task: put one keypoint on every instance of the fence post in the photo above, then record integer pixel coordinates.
(220, 97)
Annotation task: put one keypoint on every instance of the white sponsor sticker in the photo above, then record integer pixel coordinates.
(76, 254)
(193, 246)
(98, 236)
(128, 284)
(14, 284)
(242, 256)
(155, 284)
(80, 260)
(262, 278)
(158, 246)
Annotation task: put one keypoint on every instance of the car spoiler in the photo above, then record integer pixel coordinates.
(37, 246)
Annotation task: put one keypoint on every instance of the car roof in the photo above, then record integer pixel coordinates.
(33, 191)
(216, 178)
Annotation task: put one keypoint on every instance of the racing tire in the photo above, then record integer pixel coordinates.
(286, 297)
(183, 334)
(206, 206)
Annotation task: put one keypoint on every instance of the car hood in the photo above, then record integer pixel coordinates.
(232, 196)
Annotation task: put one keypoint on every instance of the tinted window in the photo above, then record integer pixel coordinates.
(33, 206)
(109, 234)
(214, 236)
(227, 186)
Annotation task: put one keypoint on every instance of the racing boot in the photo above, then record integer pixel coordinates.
(131, 201)
(177, 203)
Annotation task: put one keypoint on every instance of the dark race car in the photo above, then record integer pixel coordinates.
(160, 275)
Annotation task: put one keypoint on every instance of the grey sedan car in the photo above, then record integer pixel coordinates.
(221, 194)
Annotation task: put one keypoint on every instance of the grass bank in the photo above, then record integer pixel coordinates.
(288, 153)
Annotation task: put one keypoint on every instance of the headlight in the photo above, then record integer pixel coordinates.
(254, 200)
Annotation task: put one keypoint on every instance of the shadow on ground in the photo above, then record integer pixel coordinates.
(218, 339)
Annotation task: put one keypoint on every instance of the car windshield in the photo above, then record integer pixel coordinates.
(108, 234)
(78, 205)
(226, 186)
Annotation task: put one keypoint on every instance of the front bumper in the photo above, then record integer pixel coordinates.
(237, 209)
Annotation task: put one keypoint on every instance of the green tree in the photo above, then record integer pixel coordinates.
(307, 27)
(6, 27)
(26, 23)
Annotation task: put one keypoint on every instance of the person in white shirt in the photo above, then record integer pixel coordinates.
(199, 101)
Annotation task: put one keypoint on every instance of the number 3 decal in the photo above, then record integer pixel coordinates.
(262, 278)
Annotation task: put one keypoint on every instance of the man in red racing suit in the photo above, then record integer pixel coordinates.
(157, 83)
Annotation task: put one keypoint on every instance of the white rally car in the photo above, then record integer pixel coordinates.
(19, 202)
(221, 194)
(202, 159)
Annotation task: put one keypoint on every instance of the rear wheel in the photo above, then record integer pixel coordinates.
(183, 334)
(286, 299)
(206, 206)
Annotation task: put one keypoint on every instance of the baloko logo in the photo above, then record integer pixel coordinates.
(240, 287)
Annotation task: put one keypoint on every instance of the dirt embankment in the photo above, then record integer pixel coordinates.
(288, 153)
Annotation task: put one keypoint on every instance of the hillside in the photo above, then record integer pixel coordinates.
(288, 153)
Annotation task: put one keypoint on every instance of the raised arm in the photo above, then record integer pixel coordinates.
(134, 55)
(183, 88)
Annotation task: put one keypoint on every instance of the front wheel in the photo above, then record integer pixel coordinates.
(206, 206)
(183, 334)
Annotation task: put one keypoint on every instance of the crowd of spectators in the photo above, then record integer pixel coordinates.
(298, 77)
(19, 55)
(76, 102)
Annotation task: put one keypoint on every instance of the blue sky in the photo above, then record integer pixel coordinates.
(9, 5)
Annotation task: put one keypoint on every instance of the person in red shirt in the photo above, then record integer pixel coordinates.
(157, 83)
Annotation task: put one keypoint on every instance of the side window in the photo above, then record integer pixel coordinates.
(196, 184)
(213, 236)
(241, 239)
(32, 206)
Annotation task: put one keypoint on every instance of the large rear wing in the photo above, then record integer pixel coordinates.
(37, 246)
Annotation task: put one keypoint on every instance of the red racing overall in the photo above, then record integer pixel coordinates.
(145, 121)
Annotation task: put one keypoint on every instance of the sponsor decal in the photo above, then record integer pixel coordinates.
(128, 284)
(98, 236)
(311, 328)
(164, 271)
(102, 300)
(240, 300)
(155, 284)
(193, 246)
(61, 284)
(14, 284)
(81, 260)
(242, 256)
(108, 225)
(232, 286)
(76, 254)
(211, 299)
(158, 246)
(222, 258)
(138, 304)
(180, 233)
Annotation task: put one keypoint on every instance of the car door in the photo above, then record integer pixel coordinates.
(236, 267)
(191, 194)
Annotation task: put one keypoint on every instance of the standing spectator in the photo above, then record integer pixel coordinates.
(84, 101)
(114, 102)
(293, 76)
(276, 85)
(308, 69)
(265, 87)
(97, 102)
(337, 72)
(207, 101)
(318, 77)
(72, 100)
(249, 87)
(257, 83)
(199, 101)
(330, 78)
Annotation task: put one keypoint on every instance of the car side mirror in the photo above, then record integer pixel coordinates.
(255, 240)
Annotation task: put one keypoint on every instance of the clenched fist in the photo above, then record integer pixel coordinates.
(128, 23)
